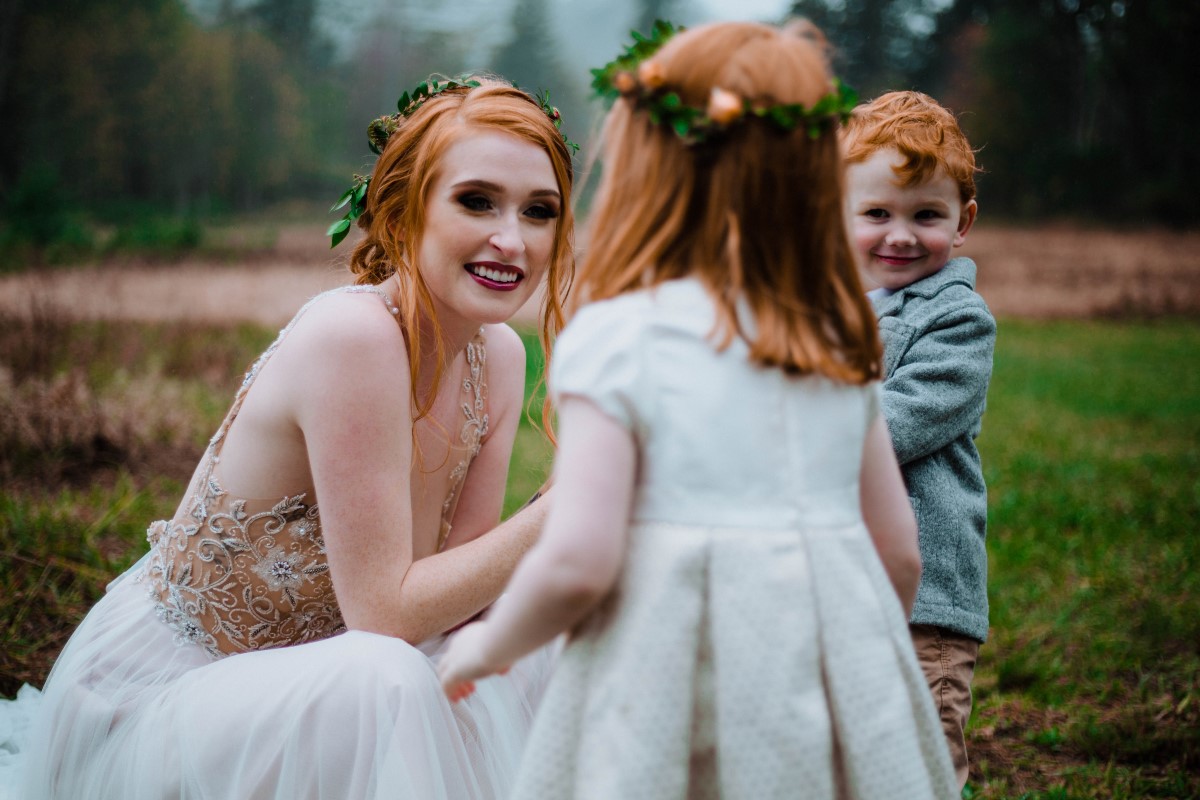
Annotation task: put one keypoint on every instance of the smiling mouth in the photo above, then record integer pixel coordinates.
(897, 261)
(495, 276)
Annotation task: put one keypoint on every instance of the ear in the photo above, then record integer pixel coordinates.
(965, 220)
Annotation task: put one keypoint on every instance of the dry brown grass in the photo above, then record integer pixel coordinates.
(1051, 272)
(1062, 272)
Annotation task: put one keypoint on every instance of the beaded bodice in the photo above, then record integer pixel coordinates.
(234, 574)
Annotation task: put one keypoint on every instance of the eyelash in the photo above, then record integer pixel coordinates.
(879, 213)
(479, 203)
(543, 212)
(475, 202)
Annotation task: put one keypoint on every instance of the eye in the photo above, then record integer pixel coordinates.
(928, 215)
(475, 202)
(875, 213)
(541, 211)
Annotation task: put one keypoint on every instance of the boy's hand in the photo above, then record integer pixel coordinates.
(465, 662)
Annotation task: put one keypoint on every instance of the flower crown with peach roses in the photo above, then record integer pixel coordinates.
(636, 77)
(381, 129)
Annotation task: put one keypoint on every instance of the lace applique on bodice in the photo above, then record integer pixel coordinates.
(236, 574)
(473, 430)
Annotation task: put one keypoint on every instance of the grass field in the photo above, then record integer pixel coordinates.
(1089, 685)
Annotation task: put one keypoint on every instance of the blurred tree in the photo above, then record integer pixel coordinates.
(878, 44)
(1071, 114)
(289, 23)
(530, 59)
(10, 15)
(392, 56)
(1075, 116)
(132, 103)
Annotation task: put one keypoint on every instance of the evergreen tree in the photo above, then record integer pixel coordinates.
(530, 59)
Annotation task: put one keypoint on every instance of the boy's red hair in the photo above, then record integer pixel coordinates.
(925, 133)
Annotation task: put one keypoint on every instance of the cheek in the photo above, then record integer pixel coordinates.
(541, 245)
(863, 236)
(939, 240)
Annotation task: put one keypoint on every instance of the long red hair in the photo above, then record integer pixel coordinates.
(755, 214)
(394, 220)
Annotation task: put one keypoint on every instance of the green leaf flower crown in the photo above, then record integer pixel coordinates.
(634, 76)
(381, 129)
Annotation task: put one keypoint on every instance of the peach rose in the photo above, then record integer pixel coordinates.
(651, 74)
(724, 106)
(624, 82)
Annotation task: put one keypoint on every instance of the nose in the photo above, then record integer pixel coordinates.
(899, 234)
(507, 239)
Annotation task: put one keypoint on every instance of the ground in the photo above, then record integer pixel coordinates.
(1054, 272)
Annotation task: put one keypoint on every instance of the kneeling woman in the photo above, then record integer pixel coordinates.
(279, 639)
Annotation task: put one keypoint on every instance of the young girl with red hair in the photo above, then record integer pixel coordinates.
(731, 545)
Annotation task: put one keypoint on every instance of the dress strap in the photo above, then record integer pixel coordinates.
(474, 429)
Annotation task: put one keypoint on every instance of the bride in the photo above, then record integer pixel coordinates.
(279, 639)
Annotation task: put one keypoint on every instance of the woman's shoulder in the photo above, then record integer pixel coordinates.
(503, 343)
(346, 318)
(505, 360)
(345, 338)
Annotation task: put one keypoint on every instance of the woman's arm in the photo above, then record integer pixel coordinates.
(353, 409)
(578, 559)
(888, 514)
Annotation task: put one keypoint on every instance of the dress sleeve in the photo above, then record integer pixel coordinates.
(874, 392)
(599, 356)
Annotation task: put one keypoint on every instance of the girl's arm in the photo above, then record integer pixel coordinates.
(577, 560)
(888, 514)
(352, 407)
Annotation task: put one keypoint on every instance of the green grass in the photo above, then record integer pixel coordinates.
(1089, 686)
(532, 452)
(1091, 448)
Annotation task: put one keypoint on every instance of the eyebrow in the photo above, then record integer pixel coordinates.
(479, 183)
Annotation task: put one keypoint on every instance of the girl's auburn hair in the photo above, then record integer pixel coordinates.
(394, 218)
(755, 213)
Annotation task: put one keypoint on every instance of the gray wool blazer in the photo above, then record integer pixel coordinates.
(938, 338)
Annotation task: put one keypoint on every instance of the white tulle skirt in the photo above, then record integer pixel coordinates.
(128, 713)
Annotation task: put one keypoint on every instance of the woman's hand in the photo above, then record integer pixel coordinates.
(466, 661)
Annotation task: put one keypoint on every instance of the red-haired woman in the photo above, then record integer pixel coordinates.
(279, 640)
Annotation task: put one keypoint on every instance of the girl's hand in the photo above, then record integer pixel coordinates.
(465, 662)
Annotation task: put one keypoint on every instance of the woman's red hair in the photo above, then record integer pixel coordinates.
(394, 220)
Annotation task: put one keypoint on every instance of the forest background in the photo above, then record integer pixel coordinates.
(120, 112)
(165, 170)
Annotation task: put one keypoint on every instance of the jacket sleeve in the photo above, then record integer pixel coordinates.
(939, 387)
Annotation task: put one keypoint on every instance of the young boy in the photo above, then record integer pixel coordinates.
(910, 195)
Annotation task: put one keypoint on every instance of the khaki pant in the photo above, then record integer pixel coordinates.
(948, 660)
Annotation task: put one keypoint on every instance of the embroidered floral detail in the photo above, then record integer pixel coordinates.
(244, 579)
(473, 430)
(309, 528)
(232, 575)
(280, 569)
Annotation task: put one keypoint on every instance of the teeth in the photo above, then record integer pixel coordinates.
(495, 274)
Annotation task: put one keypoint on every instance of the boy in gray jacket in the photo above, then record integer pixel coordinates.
(910, 195)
